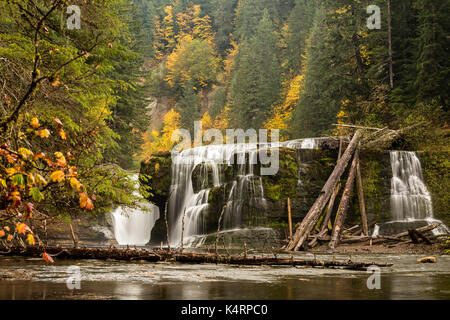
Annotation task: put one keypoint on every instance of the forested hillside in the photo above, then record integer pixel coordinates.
(301, 66)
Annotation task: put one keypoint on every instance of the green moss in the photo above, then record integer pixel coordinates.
(376, 174)
(283, 185)
(436, 171)
(273, 192)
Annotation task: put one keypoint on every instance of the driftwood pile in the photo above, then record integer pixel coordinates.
(316, 225)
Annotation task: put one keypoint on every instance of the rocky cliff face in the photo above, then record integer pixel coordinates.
(301, 176)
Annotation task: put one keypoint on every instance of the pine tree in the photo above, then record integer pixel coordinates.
(433, 61)
(224, 24)
(299, 25)
(256, 82)
(189, 107)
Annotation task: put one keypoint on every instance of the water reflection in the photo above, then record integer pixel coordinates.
(120, 280)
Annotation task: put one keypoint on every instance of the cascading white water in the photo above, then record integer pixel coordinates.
(133, 226)
(185, 204)
(191, 207)
(410, 198)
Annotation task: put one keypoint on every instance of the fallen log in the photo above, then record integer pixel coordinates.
(397, 237)
(358, 231)
(314, 213)
(417, 235)
(344, 204)
(161, 256)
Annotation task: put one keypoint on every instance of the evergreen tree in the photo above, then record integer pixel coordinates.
(433, 61)
(299, 24)
(249, 15)
(129, 116)
(224, 23)
(256, 82)
(189, 107)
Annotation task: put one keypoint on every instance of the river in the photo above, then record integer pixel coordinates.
(25, 278)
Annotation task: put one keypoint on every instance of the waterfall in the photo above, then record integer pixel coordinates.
(133, 226)
(410, 198)
(189, 203)
(192, 207)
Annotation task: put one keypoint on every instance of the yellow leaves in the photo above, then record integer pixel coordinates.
(62, 134)
(3, 183)
(222, 121)
(34, 123)
(40, 179)
(10, 171)
(294, 91)
(57, 176)
(60, 159)
(30, 240)
(75, 184)
(47, 258)
(22, 228)
(85, 201)
(207, 122)
(44, 133)
(24, 152)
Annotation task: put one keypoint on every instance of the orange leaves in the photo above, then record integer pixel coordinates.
(47, 258)
(44, 133)
(2, 233)
(30, 240)
(75, 184)
(57, 176)
(15, 197)
(85, 202)
(22, 228)
(29, 208)
(58, 122)
(10, 237)
(34, 123)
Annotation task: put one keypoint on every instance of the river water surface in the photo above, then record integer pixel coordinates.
(25, 278)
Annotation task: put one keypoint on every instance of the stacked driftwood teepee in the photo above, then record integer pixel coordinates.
(320, 213)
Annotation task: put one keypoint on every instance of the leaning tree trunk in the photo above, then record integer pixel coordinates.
(308, 223)
(362, 205)
(344, 204)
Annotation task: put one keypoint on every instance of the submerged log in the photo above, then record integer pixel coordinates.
(161, 256)
(314, 213)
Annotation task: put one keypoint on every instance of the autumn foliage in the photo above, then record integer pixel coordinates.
(25, 180)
